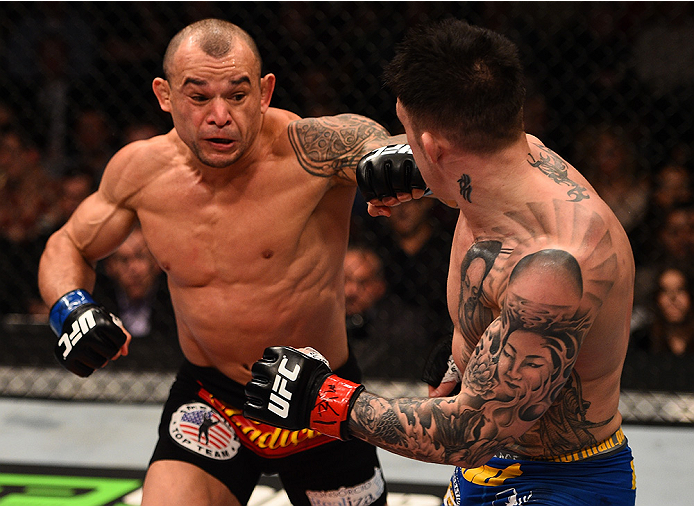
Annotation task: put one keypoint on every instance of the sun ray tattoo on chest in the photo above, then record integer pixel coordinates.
(556, 169)
(521, 371)
(329, 146)
(542, 385)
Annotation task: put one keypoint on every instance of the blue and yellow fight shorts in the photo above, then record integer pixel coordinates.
(599, 476)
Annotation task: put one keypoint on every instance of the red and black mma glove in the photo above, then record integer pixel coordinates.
(387, 171)
(294, 390)
(89, 336)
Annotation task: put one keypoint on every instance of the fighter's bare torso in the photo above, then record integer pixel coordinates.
(562, 219)
(253, 253)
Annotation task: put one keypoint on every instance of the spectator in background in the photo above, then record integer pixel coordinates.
(94, 141)
(134, 287)
(612, 169)
(671, 244)
(676, 236)
(139, 131)
(672, 188)
(54, 104)
(389, 337)
(50, 58)
(74, 186)
(671, 325)
(416, 250)
(27, 193)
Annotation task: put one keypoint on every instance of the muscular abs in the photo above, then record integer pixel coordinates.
(258, 261)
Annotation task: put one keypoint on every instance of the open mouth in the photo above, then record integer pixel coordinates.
(223, 142)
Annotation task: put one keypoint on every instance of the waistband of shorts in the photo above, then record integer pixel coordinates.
(613, 444)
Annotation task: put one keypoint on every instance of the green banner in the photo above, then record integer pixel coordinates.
(43, 490)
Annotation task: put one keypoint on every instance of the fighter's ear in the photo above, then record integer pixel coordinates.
(162, 90)
(267, 86)
(434, 146)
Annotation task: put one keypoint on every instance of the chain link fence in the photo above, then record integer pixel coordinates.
(76, 85)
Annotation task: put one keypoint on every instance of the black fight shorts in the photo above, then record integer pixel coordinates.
(203, 424)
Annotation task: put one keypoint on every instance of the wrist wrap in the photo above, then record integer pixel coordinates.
(333, 405)
(65, 305)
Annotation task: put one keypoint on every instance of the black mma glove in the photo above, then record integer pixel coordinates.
(387, 171)
(295, 390)
(89, 336)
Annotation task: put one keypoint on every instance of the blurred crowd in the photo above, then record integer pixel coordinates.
(623, 114)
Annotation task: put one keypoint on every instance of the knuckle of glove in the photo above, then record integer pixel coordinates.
(107, 334)
(282, 391)
(388, 171)
(364, 177)
(261, 372)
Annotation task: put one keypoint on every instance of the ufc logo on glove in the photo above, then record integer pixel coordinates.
(89, 336)
(80, 326)
(395, 149)
(294, 389)
(280, 396)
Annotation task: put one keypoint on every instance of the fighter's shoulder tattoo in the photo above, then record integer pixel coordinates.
(521, 373)
(332, 145)
(473, 314)
(554, 167)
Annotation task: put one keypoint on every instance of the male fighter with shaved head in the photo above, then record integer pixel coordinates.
(246, 208)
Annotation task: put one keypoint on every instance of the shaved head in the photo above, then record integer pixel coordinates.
(215, 37)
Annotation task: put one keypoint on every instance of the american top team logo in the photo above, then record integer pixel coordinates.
(200, 429)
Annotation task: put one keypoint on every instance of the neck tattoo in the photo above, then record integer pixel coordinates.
(465, 187)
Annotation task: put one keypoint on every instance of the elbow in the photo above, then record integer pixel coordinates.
(52, 248)
(472, 457)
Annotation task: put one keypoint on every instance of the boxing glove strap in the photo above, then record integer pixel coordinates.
(333, 405)
(65, 305)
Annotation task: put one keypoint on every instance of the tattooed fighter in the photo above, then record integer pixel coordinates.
(246, 208)
(540, 290)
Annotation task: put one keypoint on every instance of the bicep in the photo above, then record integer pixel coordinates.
(92, 232)
(525, 356)
(331, 146)
(98, 226)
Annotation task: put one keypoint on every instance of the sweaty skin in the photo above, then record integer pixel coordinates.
(540, 291)
(245, 207)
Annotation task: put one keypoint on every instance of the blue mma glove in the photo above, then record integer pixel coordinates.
(89, 336)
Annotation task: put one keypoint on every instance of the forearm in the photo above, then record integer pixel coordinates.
(294, 390)
(433, 430)
(63, 268)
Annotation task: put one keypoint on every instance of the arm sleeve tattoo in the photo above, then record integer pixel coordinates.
(520, 366)
(332, 145)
